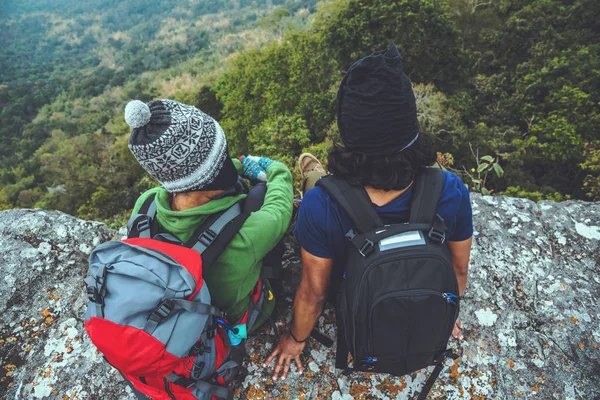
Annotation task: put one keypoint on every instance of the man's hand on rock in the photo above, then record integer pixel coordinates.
(287, 350)
(456, 331)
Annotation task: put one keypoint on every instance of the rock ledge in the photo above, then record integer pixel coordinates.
(531, 315)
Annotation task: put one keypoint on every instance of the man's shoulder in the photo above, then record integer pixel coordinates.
(454, 194)
(316, 197)
(451, 177)
(453, 185)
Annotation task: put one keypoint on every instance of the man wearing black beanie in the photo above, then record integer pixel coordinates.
(376, 107)
(383, 151)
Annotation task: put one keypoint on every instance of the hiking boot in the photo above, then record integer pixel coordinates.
(309, 163)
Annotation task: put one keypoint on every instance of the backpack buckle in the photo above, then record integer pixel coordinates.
(199, 348)
(93, 295)
(161, 312)
(211, 332)
(184, 382)
(96, 293)
(437, 236)
(366, 248)
(437, 233)
(207, 237)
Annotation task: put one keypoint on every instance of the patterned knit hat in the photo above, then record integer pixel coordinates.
(179, 145)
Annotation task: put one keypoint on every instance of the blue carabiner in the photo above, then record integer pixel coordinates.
(227, 327)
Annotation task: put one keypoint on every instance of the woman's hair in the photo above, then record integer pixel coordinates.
(393, 172)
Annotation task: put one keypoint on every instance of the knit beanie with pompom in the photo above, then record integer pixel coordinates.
(179, 145)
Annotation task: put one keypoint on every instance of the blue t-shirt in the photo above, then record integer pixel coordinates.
(322, 226)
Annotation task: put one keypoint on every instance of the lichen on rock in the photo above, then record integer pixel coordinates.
(530, 312)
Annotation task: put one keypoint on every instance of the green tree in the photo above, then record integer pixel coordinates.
(295, 76)
(423, 31)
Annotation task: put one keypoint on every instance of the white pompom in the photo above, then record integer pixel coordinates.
(137, 114)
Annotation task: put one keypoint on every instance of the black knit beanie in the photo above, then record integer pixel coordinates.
(179, 145)
(376, 108)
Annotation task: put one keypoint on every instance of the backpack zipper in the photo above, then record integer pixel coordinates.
(171, 395)
(448, 297)
(363, 277)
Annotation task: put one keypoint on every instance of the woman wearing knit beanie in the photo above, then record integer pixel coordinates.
(186, 151)
(382, 151)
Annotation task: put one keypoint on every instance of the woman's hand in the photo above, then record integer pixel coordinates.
(287, 350)
(263, 162)
(252, 170)
(255, 168)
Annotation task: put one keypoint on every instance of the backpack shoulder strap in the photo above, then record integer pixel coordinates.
(213, 236)
(429, 184)
(143, 224)
(354, 201)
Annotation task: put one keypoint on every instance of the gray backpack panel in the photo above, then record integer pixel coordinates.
(137, 280)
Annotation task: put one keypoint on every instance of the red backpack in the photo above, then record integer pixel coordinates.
(150, 313)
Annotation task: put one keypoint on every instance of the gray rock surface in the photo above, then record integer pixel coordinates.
(531, 315)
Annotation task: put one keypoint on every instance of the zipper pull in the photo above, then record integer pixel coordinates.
(450, 297)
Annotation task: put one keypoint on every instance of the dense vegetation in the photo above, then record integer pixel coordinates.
(67, 69)
(510, 83)
(517, 80)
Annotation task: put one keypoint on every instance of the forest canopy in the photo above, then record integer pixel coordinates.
(509, 89)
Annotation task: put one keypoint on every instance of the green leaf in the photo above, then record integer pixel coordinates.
(482, 167)
(499, 170)
(485, 192)
(487, 158)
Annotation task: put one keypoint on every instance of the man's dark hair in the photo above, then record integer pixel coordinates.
(392, 172)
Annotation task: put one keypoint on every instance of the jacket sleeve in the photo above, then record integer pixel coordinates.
(266, 227)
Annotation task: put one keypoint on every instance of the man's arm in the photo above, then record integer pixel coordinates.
(311, 294)
(308, 306)
(461, 254)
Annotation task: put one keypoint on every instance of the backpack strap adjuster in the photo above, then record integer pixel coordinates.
(366, 248)
(143, 224)
(207, 237)
(160, 313)
(437, 233)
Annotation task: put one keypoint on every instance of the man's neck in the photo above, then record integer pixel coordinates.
(185, 201)
(382, 197)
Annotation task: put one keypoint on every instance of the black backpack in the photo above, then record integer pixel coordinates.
(398, 300)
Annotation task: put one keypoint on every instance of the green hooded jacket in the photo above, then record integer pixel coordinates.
(237, 270)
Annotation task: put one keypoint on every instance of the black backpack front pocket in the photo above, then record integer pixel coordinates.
(403, 324)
